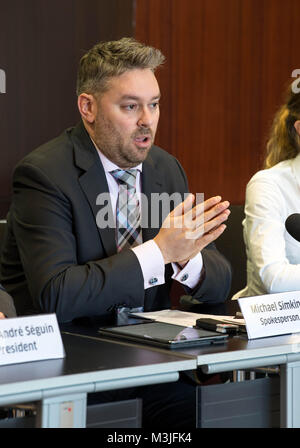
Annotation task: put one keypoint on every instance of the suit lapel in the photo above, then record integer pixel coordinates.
(93, 182)
(152, 186)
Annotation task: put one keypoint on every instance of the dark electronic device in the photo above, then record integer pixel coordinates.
(164, 335)
(292, 225)
(216, 325)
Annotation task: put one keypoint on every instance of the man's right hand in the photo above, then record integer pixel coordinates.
(188, 229)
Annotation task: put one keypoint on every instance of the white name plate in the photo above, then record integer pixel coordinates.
(31, 338)
(271, 314)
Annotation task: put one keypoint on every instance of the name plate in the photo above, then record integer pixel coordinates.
(271, 314)
(31, 338)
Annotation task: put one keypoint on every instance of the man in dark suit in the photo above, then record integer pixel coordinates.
(57, 256)
(7, 308)
(63, 253)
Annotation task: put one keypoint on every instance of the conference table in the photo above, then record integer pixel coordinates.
(94, 364)
(91, 365)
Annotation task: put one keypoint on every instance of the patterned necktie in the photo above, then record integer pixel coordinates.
(129, 232)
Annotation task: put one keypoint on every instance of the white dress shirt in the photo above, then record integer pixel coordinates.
(273, 256)
(148, 253)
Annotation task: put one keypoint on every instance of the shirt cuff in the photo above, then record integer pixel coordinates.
(191, 273)
(151, 262)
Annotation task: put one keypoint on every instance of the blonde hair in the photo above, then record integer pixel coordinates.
(284, 142)
(108, 59)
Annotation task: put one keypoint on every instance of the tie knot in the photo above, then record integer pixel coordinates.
(125, 176)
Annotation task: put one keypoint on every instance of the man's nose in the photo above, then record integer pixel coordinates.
(145, 118)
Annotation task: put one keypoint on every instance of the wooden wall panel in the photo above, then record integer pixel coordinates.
(228, 62)
(41, 42)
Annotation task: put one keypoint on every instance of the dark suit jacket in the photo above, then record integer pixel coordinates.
(6, 304)
(56, 259)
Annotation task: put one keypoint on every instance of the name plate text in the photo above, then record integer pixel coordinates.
(30, 338)
(271, 314)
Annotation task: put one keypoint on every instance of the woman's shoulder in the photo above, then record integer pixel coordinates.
(272, 175)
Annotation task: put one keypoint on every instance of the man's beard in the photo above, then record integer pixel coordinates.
(111, 143)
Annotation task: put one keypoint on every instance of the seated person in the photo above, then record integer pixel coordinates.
(58, 257)
(273, 256)
(62, 256)
(7, 308)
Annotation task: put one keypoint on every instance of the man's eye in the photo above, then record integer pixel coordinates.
(154, 105)
(130, 107)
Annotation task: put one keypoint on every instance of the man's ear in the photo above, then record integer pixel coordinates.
(87, 106)
(297, 127)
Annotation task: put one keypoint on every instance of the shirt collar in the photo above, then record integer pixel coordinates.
(108, 165)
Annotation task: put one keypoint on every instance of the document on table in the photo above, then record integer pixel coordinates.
(185, 318)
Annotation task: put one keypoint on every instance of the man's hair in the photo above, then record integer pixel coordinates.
(108, 59)
(284, 142)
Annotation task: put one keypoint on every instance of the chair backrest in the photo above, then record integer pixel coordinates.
(231, 245)
(2, 233)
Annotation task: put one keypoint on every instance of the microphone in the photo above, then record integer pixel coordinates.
(292, 225)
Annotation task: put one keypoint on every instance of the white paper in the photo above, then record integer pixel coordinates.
(184, 318)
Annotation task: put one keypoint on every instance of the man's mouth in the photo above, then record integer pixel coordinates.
(142, 138)
(142, 141)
